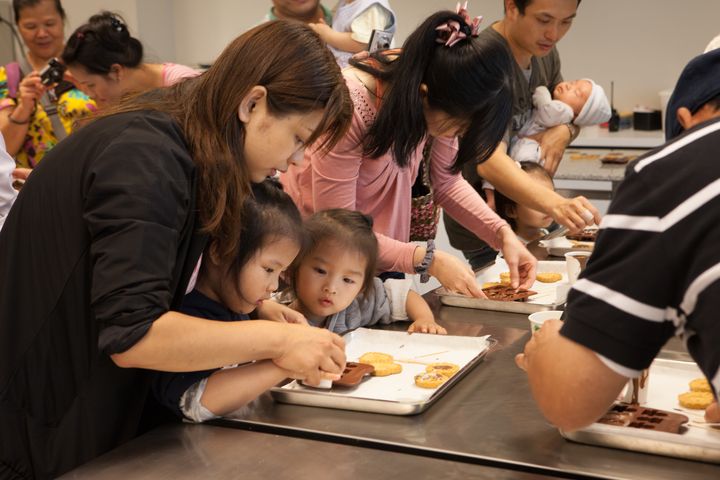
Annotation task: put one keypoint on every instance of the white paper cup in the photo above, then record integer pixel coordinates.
(538, 318)
(575, 263)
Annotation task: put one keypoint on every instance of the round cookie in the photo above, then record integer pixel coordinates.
(505, 277)
(491, 284)
(696, 400)
(548, 277)
(375, 357)
(445, 369)
(430, 380)
(383, 369)
(700, 385)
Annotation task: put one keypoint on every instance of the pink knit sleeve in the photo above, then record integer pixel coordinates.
(394, 255)
(454, 194)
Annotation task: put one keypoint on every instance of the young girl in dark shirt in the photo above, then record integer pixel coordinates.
(271, 237)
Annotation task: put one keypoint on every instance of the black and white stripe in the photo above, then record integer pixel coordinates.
(655, 270)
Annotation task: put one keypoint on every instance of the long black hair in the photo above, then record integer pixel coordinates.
(468, 81)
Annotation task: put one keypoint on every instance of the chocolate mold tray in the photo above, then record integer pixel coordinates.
(660, 425)
(542, 296)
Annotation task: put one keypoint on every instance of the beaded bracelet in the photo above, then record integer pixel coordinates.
(424, 266)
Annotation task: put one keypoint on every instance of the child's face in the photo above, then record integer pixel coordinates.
(329, 279)
(258, 278)
(273, 143)
(574, 93)
(527, 218)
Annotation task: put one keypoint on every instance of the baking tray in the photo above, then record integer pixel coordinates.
(558, 247)
(393, 394)
(668, 379)
(550, 296)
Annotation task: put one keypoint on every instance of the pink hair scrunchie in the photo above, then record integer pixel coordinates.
(451, 32)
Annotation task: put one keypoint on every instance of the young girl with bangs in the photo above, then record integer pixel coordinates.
(334, 284)
(272, 235)
(445, 85)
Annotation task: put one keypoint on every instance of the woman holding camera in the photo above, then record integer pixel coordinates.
(31, 128)
(106, 61)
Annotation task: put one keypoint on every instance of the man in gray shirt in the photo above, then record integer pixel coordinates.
(530, 29)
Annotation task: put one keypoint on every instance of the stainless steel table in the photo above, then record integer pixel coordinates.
(179, 452)
(489, 418)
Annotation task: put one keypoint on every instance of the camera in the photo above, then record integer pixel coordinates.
(379, 40)
(52, 73)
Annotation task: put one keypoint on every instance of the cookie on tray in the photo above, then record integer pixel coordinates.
(696, 400)
(375, 357)
(505, 278)
(548, 277)
(700, 385)
(383, 369)
(443, 368)
(430, 380)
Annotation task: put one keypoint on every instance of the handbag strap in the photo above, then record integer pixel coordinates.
(426, 161)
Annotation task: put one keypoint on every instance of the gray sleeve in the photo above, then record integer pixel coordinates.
(374, 307)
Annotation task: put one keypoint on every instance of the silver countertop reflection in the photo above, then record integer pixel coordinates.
(489, 416)
(179, 452)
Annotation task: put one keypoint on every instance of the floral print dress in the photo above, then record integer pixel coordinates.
(72, 106)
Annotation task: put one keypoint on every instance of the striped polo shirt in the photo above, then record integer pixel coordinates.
(655, 270)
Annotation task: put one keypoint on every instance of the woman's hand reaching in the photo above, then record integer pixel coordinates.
(521, 262)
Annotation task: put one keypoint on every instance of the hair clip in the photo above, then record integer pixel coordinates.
(117, 24)
(451, 32)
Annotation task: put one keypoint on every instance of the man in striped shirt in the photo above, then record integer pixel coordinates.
(654, 273)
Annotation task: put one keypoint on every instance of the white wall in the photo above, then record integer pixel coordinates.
(640, 44)
(78, 11)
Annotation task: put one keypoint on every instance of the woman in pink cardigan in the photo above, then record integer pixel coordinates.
(445, 84)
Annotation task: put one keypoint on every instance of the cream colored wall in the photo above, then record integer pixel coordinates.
(640, 44)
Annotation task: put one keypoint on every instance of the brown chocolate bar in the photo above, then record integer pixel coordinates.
(635, 416)
(354, 374)
(587, 235)
(505, 293)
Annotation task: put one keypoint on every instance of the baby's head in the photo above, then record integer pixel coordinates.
(587, 100)
(520, 217)
(272, 235)
(338, 262)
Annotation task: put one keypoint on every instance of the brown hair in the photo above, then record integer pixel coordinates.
(504, 205)
(300, 76)
(351, 230)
